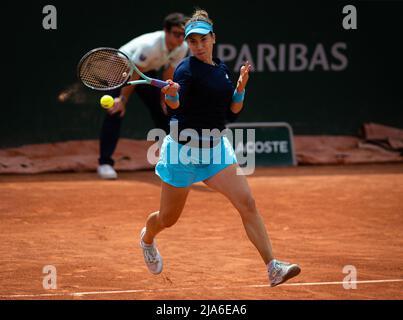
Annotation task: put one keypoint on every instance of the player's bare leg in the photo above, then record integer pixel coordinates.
(171, 205)
(236, 189)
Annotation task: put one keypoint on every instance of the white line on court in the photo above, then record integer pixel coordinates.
(300, 284)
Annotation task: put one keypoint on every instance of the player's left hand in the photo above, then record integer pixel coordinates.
(243, 76)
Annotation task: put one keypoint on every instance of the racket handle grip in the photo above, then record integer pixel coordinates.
(158, 83)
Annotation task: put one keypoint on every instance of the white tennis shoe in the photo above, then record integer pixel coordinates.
(152, 257)
(106, 171)
(280, 272)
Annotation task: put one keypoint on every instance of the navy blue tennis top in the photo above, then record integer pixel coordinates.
(205, 95)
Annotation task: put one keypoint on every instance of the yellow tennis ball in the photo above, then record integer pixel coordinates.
(107, 102)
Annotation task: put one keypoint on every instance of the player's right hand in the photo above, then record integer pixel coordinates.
(118, 107)
(170, 89)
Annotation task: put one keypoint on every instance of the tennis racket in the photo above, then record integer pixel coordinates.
(105, 69)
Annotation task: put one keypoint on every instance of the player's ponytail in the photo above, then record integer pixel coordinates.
(200, 15)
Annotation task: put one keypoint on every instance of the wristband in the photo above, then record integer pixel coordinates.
(238, 96)
(174, 98)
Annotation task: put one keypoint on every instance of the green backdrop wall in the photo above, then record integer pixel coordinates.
(309, 70)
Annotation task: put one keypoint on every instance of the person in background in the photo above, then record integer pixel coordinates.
(150, 52)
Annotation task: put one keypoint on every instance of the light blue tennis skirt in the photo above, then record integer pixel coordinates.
(180, 165)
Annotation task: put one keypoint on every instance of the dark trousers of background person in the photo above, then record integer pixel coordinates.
(110, 131)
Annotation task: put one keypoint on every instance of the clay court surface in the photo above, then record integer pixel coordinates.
(323, 218)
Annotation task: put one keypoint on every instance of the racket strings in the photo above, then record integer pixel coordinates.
(105, 69)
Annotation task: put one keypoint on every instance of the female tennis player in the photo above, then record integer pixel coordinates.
(201, 96)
